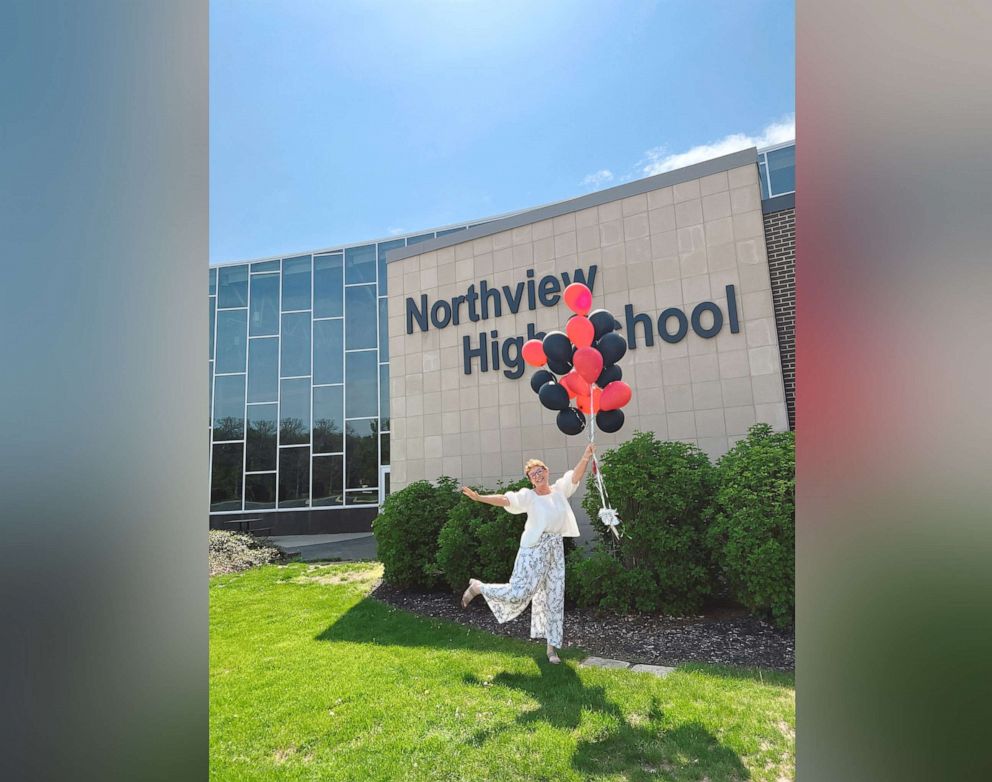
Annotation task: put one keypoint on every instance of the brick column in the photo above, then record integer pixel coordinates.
(780, 239)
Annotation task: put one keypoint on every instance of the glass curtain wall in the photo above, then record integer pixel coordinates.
(299, 380)
(777, 170)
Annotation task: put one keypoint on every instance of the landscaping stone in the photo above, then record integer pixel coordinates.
(604, 662)
(657, 670)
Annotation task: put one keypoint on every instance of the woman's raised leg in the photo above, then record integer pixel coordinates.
(508, 600)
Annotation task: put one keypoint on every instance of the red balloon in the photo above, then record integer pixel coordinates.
(585, 404)
(578, 298)
(533, 353)
(588, 362)
(574, 384)
(615, 395)
(581, 331)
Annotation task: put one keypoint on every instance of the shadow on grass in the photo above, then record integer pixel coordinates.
(640, 746)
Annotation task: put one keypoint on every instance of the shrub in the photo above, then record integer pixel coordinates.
(232, 552)
(752, 522)
(478, 539)
(481, 541)
(598, 579)
(661, 491)
(406, 532)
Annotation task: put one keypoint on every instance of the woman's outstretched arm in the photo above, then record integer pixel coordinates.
(580, 468)
(489, 499)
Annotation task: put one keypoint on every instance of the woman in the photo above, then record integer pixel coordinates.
(539, 569)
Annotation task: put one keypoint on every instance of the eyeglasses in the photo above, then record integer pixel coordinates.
(536, 471)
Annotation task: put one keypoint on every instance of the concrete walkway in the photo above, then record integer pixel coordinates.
(346, 546)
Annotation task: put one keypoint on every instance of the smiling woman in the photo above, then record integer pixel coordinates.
(538, 576)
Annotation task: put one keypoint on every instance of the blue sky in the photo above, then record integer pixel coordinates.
(333, 122)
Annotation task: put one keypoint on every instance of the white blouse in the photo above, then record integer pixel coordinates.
(545, 512)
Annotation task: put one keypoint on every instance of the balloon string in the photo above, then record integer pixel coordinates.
(592, 408)
(597, 471)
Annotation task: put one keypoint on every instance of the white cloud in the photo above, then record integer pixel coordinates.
(600, 178)
(657, 161)
(396, 231)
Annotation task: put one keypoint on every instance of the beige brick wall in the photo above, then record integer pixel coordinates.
(675, 246)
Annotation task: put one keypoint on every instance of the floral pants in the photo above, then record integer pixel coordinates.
(538, 578)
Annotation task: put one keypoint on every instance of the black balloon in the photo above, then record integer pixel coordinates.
(602, 321)
(557, 346)
(612, 346)
(571, 421)
(609, 420)
(553, 396)
(559, 367)
(608, 375)
(539, 378)
(617, 325)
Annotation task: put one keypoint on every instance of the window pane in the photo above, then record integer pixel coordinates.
(450, 231)
(384, 396)
(261, 439)
(363, 497)
(232, 340)
(359, 264)
(263, 370)
(384, 448)
(229, 407)
(265, 266)
(361, 453)
(383, 334)
(328, 419)
(361, 314)
(225, 478)
(213, 282)
(260, 491)
(294, 477)
(361, 394)
(296, 283)
(232, 286)
(328, 285)
(763, 181)
(264, 305)
(328, 351)
(213, 316)
(421, 238)
(328, 481)
(296, 344)
(384, 248)
(782, 170)
(294, 412)
(210, 393)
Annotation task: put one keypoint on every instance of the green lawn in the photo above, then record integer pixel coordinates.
(312, 679)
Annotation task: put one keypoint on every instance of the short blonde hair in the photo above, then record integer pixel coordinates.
(531, 464)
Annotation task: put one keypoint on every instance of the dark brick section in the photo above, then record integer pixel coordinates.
(780, 238)
(307, 522)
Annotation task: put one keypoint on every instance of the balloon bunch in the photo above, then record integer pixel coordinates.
(582, 366)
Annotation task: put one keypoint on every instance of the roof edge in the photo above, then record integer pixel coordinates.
(637, 187)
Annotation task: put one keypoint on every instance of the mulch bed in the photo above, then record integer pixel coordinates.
(724, 636)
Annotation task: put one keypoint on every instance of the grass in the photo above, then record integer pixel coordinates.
(312, 679)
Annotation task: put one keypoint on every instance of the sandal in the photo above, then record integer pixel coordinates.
(553, 658)
(469, 594)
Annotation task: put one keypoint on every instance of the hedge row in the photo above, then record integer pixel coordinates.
(691, 529)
